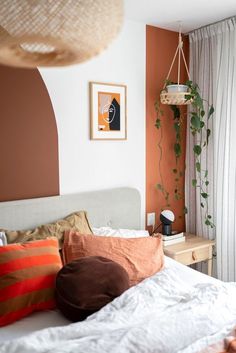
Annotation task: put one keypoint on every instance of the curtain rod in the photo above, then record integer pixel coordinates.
(210, 24)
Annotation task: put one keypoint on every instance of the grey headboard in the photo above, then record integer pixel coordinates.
(117, 208)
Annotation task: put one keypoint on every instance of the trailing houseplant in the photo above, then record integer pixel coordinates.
(199, 116)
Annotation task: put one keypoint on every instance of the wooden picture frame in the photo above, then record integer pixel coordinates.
(108, 120)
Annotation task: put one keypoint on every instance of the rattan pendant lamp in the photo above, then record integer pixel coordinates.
(56, 32)
(176, 97)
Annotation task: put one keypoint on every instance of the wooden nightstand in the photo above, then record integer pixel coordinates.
(194, 249)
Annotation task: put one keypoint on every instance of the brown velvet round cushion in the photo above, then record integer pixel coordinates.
(85, 285)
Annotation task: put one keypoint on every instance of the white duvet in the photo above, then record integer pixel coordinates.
(160, 315)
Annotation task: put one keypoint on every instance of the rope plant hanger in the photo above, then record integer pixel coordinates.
(56, 32)
(198, 116)
(175, 94)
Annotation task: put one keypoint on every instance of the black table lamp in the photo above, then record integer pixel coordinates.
(167, 217)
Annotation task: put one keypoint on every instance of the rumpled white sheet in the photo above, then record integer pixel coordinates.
(162, 314)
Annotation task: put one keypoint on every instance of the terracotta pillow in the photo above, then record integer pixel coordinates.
(27, 278)
(140, 257)
(86, 285)
(77, 221)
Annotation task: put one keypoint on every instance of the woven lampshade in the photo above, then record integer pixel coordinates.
(56, 32)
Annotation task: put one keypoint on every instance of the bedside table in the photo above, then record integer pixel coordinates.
(194, 249)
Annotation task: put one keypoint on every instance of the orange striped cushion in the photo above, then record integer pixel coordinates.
(27, 277)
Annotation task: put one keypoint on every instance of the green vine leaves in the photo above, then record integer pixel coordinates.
(161, 185)
(199, 117)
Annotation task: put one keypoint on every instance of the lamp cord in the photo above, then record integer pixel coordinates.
(156, 229)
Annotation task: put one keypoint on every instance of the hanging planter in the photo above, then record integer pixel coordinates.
(175, 95)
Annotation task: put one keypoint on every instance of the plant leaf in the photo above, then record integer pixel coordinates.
(177, 149)
(202, 113)
(202, 205)
(196, 122)
(209, 217)
(177, 127)
(158, 123)
(188, 97)
(208, 135)
(176, 111)
(189, 83)
(185, 210)
(204, 195)
(197, 150)
(207, 222)
(198, 102)
(211, 111)
(207, 183)
(206, 173)
(159, 187)
(194, 182)
(198, 167)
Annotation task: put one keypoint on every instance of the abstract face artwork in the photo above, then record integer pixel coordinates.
(108, 111)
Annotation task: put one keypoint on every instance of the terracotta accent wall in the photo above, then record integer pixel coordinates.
(28, 142)
(160, 48)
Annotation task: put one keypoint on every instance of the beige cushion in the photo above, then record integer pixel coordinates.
(77, 221)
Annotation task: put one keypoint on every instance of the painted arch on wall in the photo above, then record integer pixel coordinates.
(29, 141)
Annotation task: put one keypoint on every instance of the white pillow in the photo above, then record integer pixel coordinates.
(3, 239)
(122, 233)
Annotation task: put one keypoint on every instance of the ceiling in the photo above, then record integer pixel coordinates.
(167, 13)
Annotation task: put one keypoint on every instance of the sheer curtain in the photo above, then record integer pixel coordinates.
(213, 68)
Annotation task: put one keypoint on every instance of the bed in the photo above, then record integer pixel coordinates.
(176, 285)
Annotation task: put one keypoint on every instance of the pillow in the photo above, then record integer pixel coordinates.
(122, 233)
(140, 257)
(3, 239)
(86, 285)
(27, 273)
(76, 221)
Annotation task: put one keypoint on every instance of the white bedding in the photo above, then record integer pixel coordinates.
(53, 318)
(32, 323)
(123, 233)
(176, 310)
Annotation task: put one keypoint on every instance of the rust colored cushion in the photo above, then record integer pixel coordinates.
(77, 221)
(27, 278)
(141, 257)
(85, 285)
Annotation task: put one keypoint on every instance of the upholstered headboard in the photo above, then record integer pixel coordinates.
(117, 208)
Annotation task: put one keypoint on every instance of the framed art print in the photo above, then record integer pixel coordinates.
(107, 111)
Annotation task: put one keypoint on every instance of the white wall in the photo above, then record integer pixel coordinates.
(90, 165)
